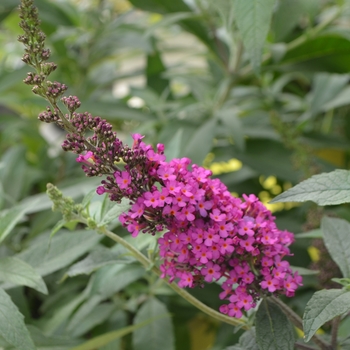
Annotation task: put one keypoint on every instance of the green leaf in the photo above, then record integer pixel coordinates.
(9, 79)
(91, 313)
(16, 176)
(304, 271)
(87, 198)
(273, 329)
(9, 219)
(107, 338)
(267, 157)
(178, 6)
(111, 279)
(53, 342)
(247, 341)
(336, 235)
(345, 282)
(342, 99)
(154, 72)
(324, 189)
(172, 149)
(98, 258)
(323, 307)
(201, 142)
(230, 119)
(156, 335)
(168, 20)
(286, 18)
(114, 212)
(18, 272)
(253, 19)
(317, 233)
(325, 87)
(49, 256)
(63, 313)
(12, 327)
(58, 226)
(324, 53)
(116, 111)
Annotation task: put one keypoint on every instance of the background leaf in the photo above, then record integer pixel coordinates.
(9, 219)
(253, 20)
(98, 258)
(336, 235)
(107, 338)
(16, 271)
(49, 256)
(323, 307)
(12, 327)
(201, 141)
(323, 189)
(273, 329)
(159, 333)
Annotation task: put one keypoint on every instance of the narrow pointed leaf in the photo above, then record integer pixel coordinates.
(12, 327)
(336, 234)
(156, 335)
(9, 219)
(107, 338)
(114, 212)
(324, 189)
(98, 258)
(323, 307)
(201, 142)
(16, 271)
(173, 148)
(253, 19)
(48, 256)
(273, 329)
(247, 341)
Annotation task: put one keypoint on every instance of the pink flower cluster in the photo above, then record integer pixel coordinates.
(210, 235)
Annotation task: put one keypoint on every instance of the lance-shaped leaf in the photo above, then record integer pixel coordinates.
(273, 329)
(48, 256)
(324, 189)
(247, 341)
(323, 307)
(9, 219)
(12, 327)
(253, 19)
(336, 234)
(156, 335)
(114, 212)
(201, 142)
(99, 257)
(107, 338)
(16, 271)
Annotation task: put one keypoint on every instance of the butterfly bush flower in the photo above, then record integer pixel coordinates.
(209, 235)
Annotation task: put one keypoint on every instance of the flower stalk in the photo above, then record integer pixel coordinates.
(210, 235)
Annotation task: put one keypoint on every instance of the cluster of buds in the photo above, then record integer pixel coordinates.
(33, 38)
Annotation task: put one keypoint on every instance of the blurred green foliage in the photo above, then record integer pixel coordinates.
(264, 113)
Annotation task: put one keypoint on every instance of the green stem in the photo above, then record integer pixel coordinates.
(182, 292)
(335, 326)
(298, 322)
